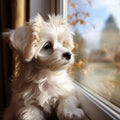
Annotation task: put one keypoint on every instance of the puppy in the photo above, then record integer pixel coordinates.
(43, 86)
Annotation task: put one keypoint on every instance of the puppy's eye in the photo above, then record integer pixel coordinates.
(48, 45)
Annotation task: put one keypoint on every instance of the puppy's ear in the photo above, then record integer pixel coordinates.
(25, 39)
(21, 40)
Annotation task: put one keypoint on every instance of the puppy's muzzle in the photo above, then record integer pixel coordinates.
(67, 55)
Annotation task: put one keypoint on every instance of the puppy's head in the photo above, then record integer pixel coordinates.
(48, 42)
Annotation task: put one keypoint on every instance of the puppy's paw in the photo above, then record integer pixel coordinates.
(76, 114)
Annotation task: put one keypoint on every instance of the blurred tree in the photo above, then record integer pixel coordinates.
(78, 14)
(79, 51)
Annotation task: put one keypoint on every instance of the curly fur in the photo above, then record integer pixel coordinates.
(43, 85)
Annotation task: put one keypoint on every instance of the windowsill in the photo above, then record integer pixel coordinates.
(96, 107)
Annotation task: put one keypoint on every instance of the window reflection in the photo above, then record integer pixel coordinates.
(97, 46)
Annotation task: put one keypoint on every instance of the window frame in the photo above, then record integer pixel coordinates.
(95, 107)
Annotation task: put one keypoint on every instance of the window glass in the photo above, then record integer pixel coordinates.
(96, 24)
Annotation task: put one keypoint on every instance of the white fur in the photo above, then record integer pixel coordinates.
(43, 83)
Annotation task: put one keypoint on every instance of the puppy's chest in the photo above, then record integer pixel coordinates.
(53, 88)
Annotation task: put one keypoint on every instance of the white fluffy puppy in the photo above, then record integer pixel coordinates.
(43, 89)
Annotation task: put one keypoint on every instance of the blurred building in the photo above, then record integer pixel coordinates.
(110, 39)
(109, 43)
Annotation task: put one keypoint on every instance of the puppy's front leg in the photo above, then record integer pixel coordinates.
(67, 109)
(30, 113)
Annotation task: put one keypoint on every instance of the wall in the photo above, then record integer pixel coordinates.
(40, 6)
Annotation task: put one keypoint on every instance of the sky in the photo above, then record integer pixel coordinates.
(99, 11)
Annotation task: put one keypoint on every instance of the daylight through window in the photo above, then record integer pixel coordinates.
(96, 24)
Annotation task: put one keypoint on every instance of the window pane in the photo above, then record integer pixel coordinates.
(96, 24)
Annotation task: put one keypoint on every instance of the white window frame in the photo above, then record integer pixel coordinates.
(95, 107)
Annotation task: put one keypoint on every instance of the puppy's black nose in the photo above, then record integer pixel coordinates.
(67, 55)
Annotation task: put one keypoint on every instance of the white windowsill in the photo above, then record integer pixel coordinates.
(96, 107)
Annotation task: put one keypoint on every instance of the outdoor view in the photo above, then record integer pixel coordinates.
(96, 24)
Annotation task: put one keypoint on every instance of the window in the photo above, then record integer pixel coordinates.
(97, 49)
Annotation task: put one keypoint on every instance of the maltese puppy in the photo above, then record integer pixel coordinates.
(43, 90)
